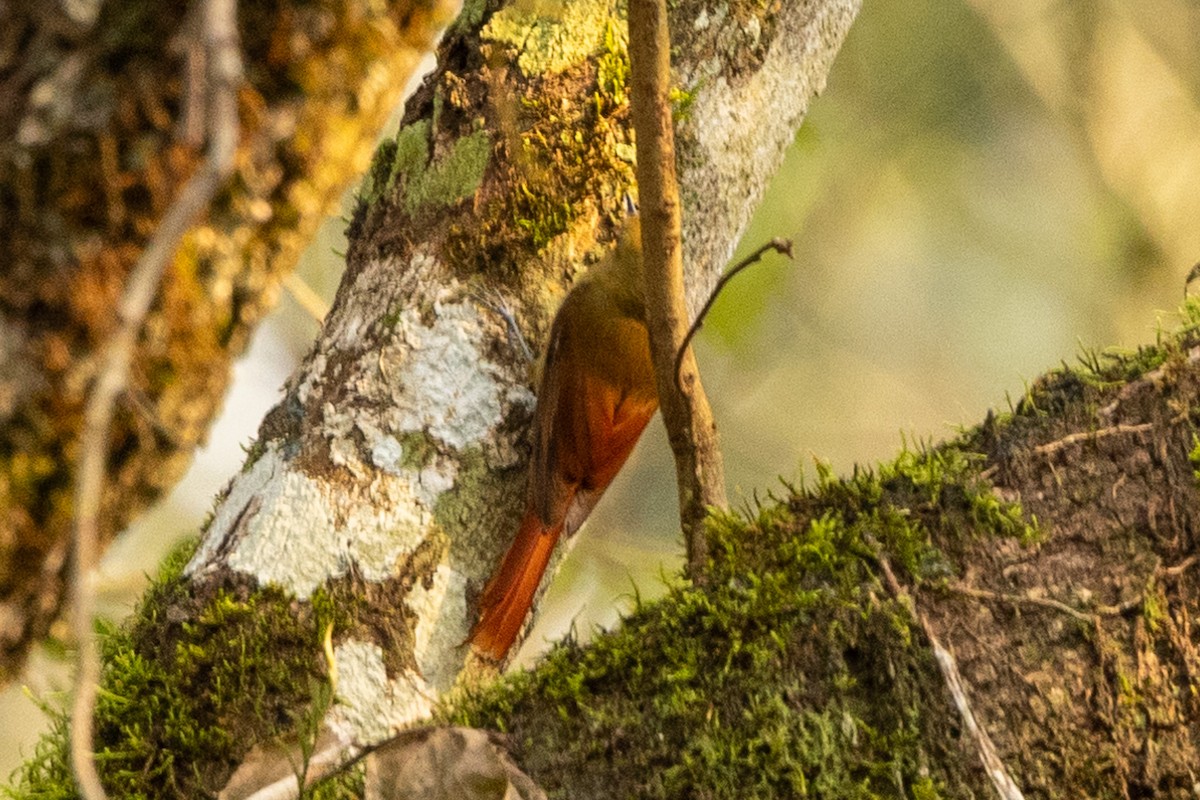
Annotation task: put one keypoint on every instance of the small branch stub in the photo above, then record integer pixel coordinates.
(783, 246)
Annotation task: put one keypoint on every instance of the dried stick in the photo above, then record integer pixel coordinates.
(1002, 781)
(224, 59)
(778, 245)
(1087, 436)
(686, 413)
(306, 297)
(1181, 567)
(1018, 599)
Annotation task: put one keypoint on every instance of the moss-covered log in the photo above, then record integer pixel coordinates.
(1054, 549)
(96, 140)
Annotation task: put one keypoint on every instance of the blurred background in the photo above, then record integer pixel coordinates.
(985, 188)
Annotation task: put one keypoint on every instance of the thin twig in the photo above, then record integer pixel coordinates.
(1020, 599)
(1086, 436)
(1181, 567)
(1090, 616)
(220, 27)
(778, 245)
(306, 297)
(1002, 781)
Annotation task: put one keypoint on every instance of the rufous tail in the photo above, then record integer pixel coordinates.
(509, 594)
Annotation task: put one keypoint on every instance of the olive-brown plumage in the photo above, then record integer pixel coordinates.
(596, 395)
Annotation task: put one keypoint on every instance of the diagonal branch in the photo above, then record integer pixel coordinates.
(783, 246)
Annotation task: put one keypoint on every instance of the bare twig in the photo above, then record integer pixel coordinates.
(1193, 273)
(1087, 436)
(1002, 781)
(1181, 567)
(220, 27)
(306, 297)
(1020, 599)
(1091, 616)
(686, 413)
(778, 245)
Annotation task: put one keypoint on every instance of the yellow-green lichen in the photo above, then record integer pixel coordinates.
(563, 150)
(551, 36)
(681, 103)
(612, 67)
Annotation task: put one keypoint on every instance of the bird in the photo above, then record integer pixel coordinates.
(596, 394)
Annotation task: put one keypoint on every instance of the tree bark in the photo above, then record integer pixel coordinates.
(97, 142)
(385, 485)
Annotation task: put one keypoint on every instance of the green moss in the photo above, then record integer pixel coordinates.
(681, 104)
(478, 490)
(612, 67)
(182, 701)
(768, 683)
(1117, 366)
(470, 16)
(344, 786)
(425, 184)
(454, 176)
(555, 137)
(417, 449)
(558, 151)
(411, 152)
(379, 174)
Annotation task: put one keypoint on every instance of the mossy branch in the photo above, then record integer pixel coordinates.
(802, 670)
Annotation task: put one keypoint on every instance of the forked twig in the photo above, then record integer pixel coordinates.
(225, 71)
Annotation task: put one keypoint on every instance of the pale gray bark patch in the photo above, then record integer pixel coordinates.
(740, 132)
(370, 705)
